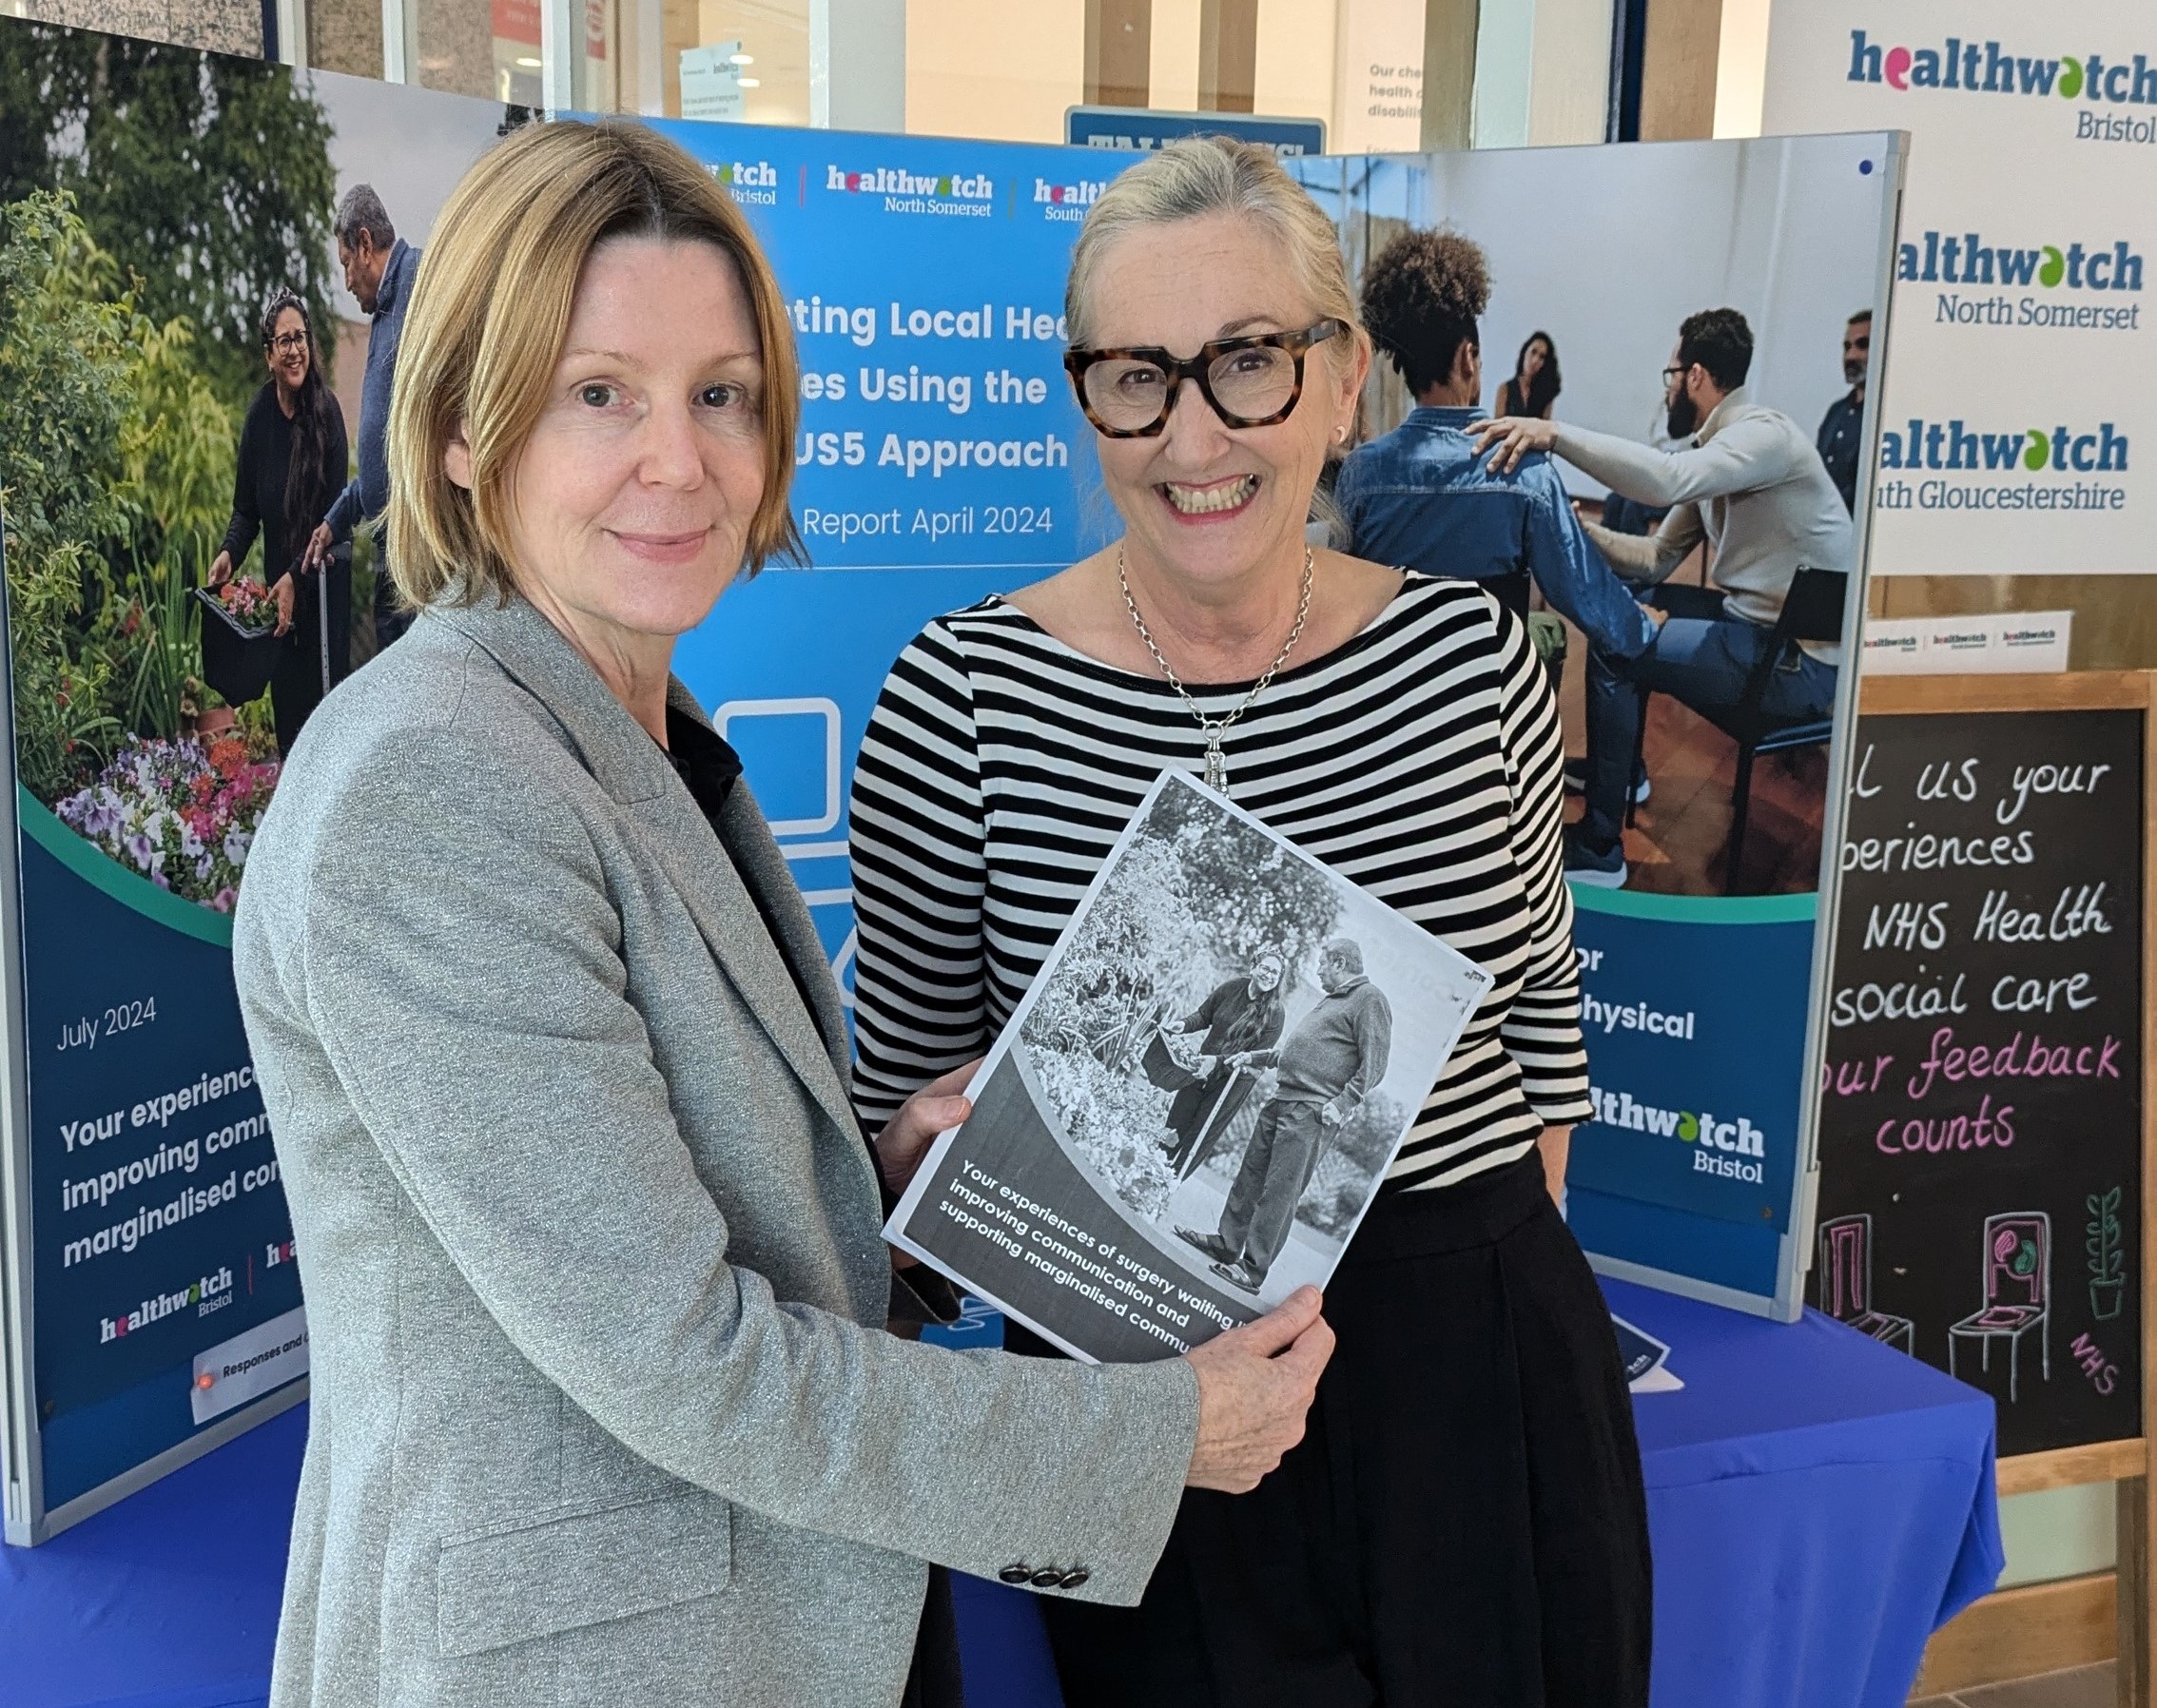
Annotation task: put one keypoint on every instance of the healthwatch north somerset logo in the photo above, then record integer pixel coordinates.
(971, 194)
(1972, 258)
(1735, 1149)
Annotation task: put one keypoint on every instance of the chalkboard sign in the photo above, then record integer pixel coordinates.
(1982, 1192)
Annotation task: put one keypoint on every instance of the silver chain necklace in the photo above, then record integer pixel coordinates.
(1216, 765)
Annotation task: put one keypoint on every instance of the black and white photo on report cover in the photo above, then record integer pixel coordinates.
(1231, 1040)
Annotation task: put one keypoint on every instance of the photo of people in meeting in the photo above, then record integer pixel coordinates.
(1676, 534)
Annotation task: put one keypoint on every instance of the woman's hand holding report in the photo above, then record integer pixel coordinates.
(1255, 1384)
(938, 1106)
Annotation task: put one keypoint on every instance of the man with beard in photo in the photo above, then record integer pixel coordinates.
(1751, 484)
(1842, 429)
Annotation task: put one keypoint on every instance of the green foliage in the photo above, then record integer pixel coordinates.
(208, 177)
(1198, 895)
(180, 449)
(115, 480)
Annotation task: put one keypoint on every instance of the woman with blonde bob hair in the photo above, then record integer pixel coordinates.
(1464, 1525)
(603, 1410)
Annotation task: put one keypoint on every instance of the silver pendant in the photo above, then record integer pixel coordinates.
(1216, 765)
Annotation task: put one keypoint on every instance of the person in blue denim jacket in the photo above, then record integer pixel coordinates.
(1420, 497)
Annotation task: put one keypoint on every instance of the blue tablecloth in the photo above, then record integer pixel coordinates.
(1818, 1502)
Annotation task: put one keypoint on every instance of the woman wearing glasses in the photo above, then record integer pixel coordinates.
(291, 464)
(1464, 1523)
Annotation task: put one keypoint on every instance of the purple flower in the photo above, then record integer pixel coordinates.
(162, 808)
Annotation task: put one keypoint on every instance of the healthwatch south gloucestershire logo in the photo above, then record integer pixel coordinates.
(1988, 69)
(1735, 1149)
(1955, 444)
(1067, 201)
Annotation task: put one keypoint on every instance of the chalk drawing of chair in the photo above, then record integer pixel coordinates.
(2018, 1292)
(1846, 1283)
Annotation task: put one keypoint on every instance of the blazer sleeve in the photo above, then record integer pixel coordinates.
(473, 1000)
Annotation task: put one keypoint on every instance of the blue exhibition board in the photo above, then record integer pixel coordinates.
(1692, 1162)
(942, 459)
(161, 1247)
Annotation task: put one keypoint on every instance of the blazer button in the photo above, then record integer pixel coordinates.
(1049, 1577)
(1075, 1577)
(1016, 1572)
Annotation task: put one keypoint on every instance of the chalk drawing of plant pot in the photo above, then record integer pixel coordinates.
(2108, 1261)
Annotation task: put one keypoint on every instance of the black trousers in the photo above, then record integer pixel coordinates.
(1462, 1526)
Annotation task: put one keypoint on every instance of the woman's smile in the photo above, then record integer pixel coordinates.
(1210, 501)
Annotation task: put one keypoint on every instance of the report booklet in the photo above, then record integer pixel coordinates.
(1191, 1111)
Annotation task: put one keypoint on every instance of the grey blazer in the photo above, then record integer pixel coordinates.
(604, 1411)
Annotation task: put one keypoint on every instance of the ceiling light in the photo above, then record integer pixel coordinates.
(741, 59)
(526, 64)
(751, 83)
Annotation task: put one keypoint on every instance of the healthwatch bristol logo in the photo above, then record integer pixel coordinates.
(755, 182)
(896, 181)
(1736, 1148)
(1987, 68)
(211, 1293)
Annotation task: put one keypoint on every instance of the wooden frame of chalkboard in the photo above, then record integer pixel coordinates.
(2126, 1461)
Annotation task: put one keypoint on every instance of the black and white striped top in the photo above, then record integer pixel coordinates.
(1423, 760)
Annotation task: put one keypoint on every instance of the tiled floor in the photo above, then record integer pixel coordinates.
(2078, 1687)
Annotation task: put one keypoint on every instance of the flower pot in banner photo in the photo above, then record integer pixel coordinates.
(240, 639)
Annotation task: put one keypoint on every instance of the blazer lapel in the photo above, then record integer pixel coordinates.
(718, 898)
(634, 769)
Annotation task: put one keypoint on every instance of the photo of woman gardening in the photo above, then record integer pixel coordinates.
(292, 463)
(174, 333)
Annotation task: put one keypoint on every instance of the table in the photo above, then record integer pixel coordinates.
(1818, 1503)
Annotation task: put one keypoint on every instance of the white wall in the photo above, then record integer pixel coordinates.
(992, 69)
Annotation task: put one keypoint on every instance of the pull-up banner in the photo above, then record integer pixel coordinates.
(921, 275)
(153, 1298)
